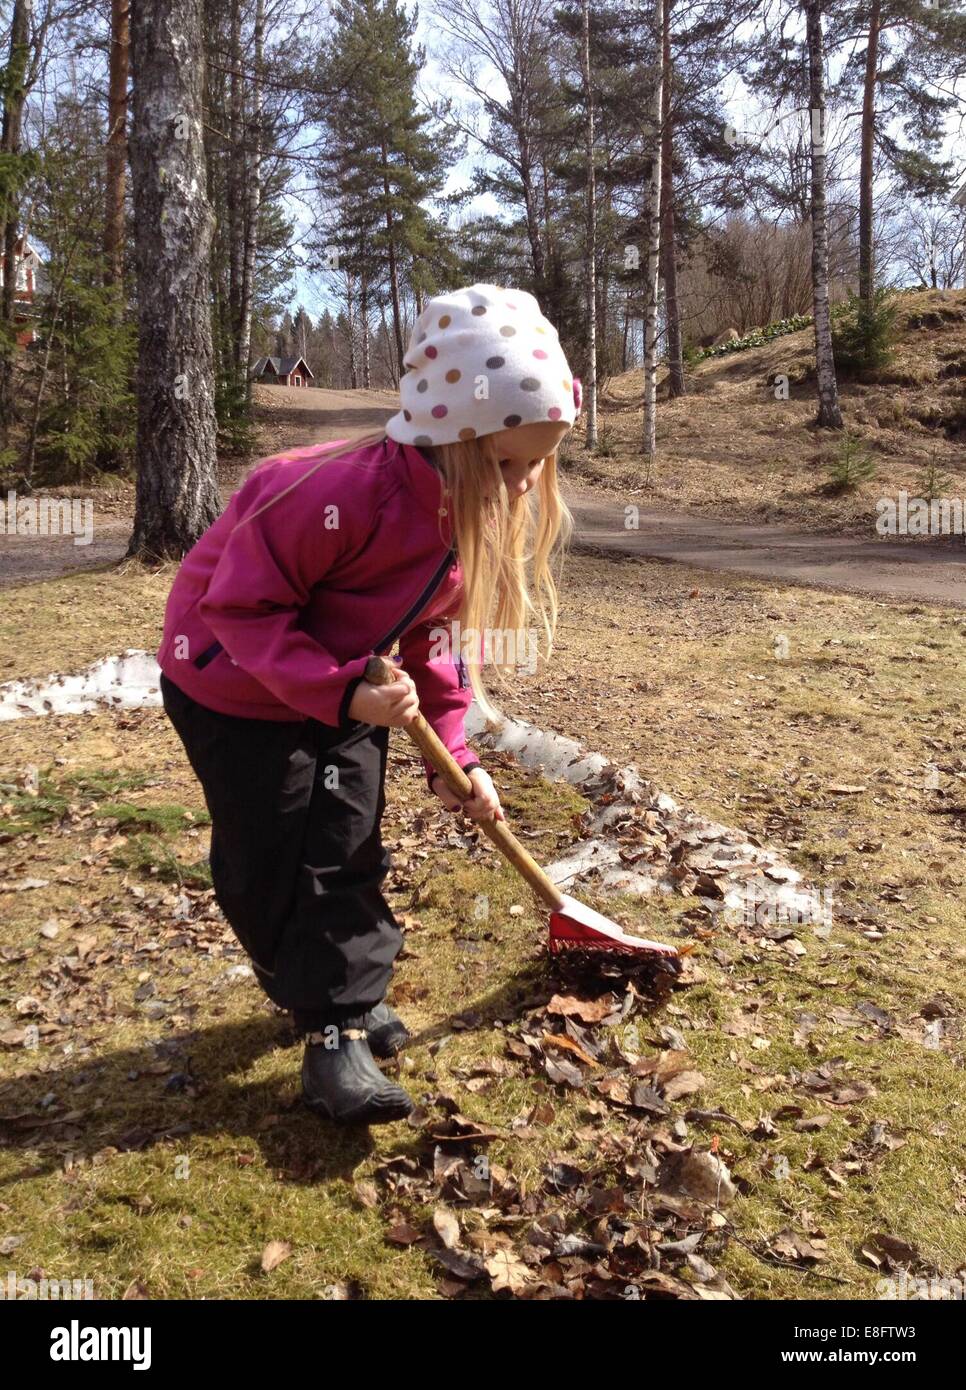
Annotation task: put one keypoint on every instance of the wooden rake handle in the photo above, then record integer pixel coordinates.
(380, 672)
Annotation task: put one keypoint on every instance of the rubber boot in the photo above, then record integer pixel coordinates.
(388, 1035)
(341, 1081)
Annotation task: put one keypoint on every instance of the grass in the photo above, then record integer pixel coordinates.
(153, 1137)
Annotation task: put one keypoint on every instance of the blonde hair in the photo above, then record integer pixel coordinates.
(508, 550)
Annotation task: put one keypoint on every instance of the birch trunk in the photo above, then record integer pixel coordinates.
(590, 267)
(364, 329)
(530, 208)
(15, 96)
(350, 314)
(234, 157)
(653, 250)
(829, 415)
(177, 494)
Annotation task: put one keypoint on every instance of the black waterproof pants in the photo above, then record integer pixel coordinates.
(297, 860)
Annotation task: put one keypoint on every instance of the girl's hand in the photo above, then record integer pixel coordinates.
(394, 705)
(484, 804)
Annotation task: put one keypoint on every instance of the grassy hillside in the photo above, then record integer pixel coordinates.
(732, 449)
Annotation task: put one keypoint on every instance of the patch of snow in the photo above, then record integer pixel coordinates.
(128, 681)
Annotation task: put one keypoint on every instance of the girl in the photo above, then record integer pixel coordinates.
(324, 557)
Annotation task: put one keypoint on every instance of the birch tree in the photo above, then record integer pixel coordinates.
(513, 37)
(866, 244)
(251, 202)
(16, 84)
(829, 414)
(177, 495)
(653, 246)
(669, 264)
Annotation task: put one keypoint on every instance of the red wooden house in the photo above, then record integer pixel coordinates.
(282, 371)
(28, 264)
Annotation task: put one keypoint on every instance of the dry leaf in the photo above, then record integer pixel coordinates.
(447, 1228)
(506, 1271)
(274, 1253)
(560, 1040)
(686, 1083)
(587, 1010)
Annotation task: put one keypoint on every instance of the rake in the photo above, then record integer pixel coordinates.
(573, 925)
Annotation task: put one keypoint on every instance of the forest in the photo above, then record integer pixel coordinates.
(664, 177)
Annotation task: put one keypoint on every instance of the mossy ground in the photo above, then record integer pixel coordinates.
(154, 1135)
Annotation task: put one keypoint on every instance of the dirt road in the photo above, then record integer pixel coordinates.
(929, 571)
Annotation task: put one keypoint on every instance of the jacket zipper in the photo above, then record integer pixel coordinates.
(419, 605)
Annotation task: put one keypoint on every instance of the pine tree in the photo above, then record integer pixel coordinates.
(80, 388)
(910, 53)
(383, 155)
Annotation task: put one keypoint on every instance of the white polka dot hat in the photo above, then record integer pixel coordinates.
(480, 360)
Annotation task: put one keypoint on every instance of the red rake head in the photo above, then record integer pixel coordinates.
(576, 927)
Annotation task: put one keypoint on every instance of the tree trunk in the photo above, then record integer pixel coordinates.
(15, 97)
(364, 324)
(669, 264)
(530, 207)
(350, 316)
(652, 260)
(116, 162)
(391, 364)
(393, 262)
(829, 415)
(217, 104)
(604, 282)
(177, 493)
(866, 242)
(235, 160)
(253, 199)
(56, 305)
(627, 324)
(590, 252)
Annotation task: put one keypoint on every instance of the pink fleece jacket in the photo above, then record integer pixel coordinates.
(274, 616)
